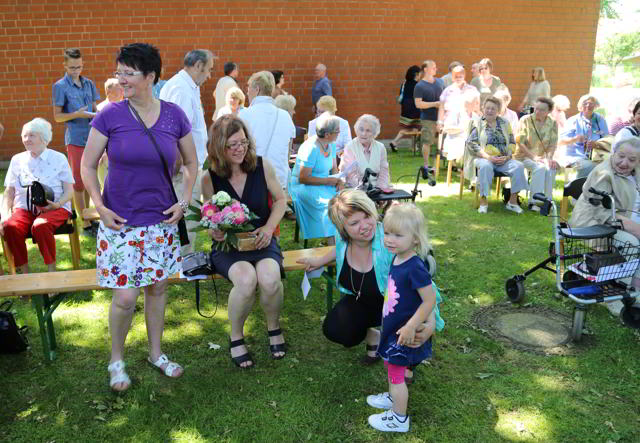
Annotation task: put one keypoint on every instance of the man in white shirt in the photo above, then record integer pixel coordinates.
(183, 89)
(271, 127)
(224, 84)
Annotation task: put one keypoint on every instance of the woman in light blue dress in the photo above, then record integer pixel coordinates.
(311, 187)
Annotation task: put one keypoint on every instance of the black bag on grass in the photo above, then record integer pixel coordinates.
(13, 339)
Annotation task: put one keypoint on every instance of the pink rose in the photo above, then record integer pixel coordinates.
(217, 217)
(208, 212)
(240, 219)
(226, 211)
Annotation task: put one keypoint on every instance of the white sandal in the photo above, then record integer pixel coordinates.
(120, 375)
(168, 370)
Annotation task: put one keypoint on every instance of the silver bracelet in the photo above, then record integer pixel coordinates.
(183, 205)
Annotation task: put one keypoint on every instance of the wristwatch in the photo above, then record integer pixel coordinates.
(183, 205)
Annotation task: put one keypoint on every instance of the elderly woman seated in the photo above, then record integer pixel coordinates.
(580, 132)
(311, 186)
(617, 175)
(326, 103)
(49, 168)
(503, 94)
(489, 147)
(234, 101)
(537, 139)
(365, 152)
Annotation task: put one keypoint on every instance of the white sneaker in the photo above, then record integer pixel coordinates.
(534, 208)
(515, 208)
(482, 209)
(615, 307)
(388, 422)
(380, 401)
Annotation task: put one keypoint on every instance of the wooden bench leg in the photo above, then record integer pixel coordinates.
(11, 264)
(47, 331)
(74, 242)
(449, 171)
(329, 277)
(461, 182)
(437, 165)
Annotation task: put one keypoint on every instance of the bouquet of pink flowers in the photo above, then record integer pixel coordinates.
(226, 215)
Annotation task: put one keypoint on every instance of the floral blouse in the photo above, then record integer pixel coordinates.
(482, 135)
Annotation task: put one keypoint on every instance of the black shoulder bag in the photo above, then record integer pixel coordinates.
(182, 224)
(13, 339)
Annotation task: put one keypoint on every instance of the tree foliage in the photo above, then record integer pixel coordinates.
(608, 9)
(616, 48)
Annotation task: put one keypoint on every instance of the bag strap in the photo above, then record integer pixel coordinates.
(155, 144)
(275, 123)
(197, 282)
(402, 89)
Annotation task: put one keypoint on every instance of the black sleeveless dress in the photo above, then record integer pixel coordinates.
(255, 195)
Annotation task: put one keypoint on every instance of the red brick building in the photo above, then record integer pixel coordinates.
(366, 45)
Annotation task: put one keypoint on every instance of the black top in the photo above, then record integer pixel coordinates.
(408, 104)
(255, 193)
(369, 289)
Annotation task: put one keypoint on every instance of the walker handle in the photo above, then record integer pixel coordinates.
(540, 197)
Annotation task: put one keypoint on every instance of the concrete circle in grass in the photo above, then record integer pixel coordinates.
(533, 328)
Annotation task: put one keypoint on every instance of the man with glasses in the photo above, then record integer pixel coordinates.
(74, 103)
(183, 89)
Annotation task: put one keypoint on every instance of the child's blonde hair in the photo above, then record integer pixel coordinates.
(407, 218)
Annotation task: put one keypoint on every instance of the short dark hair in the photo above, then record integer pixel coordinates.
(142, 57)
(229, 67)
(636, 107)
(453, 65)
(72, 53)
(277, 75)
(411, 73)
(547, 101)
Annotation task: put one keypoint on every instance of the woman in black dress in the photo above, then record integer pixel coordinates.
(237, 170)
(409, 114)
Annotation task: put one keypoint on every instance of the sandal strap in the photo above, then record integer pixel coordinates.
(120, 375)
(372, 347)
(275, 332)
(282, 347)
(235, 343)
(116, 366)
(171, 368)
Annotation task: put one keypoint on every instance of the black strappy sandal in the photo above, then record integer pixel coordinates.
(367, 360)
(282, 347)
(241, 358)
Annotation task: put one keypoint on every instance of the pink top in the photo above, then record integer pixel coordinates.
(451, 98)
(618, 123)
(355, 175)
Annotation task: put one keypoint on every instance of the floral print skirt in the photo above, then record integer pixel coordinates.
(137, 256)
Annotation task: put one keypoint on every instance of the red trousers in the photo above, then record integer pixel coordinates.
(42, 228)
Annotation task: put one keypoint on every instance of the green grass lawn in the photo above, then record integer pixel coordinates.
(476, 389)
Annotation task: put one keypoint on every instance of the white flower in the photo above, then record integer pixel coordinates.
(221, 198)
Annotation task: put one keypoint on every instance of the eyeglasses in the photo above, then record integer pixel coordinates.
(241, 145)
(126, 74)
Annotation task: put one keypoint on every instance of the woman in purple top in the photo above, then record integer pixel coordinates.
(138, 243)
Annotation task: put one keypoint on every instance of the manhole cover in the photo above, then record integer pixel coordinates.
(533, 328)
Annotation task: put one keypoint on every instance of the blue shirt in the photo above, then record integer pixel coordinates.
(429, 92)
(70, 97)
(320, 88)
(593, 129)
(155, 90)
(401, 301)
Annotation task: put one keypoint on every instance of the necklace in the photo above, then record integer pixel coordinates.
(361, 281)
(322, 148)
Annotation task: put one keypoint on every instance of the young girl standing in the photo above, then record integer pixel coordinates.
(410, 299)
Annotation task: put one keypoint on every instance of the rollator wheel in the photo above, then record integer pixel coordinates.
(578, 323)
(630, 316)
(431, 264)
(570, 276)
(515, 289)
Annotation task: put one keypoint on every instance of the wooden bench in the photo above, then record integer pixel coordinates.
(62, 283)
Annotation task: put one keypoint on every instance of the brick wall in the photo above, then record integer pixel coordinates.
(367, 46)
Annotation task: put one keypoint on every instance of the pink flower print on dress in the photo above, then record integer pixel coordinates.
(391, 297)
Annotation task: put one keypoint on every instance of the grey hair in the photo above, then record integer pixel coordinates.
(286, 102)
(41, 127)
(371, 120)
(586, 97)
(626, 140)
(327, 124)
(198, 55)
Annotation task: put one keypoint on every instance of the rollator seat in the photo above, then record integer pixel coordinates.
(588, 232)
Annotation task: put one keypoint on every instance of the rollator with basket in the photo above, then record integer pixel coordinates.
(591, 265)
